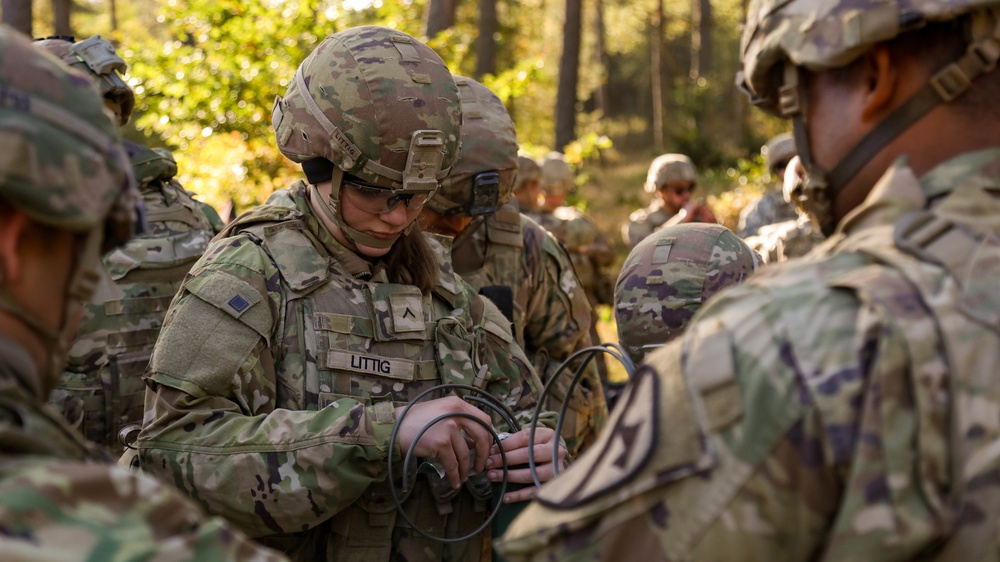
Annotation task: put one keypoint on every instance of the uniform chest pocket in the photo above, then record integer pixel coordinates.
(398, 312)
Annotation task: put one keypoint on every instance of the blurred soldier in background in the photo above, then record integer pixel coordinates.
(101, 392)
(673, 178)
(669, 275)
(66, 196)
(514, 261)
(587, 246)
(793, 238)
(526, 184)
(771, 207)
(843, 406)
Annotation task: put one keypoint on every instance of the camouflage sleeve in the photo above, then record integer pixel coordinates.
(755, 215)
(557, 323)
(92, 511)
(741, 438)
(212, 427)
(636, 229)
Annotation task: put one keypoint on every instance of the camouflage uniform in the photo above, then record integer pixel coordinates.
(668, 276)
(644, 222)
(283, 357)
(588, 249)
(61, 499)
(551, 316)
(836, 407)
(771, 207)
(102, 390)
(786, 240)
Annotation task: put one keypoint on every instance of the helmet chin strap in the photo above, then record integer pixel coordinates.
(331, 209)
(822, 187)
(57, 342)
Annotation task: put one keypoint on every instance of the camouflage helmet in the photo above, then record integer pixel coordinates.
(374, 103)
(98, 58)
(527, 170)
(482, 179)
(62, 163)
(669, 168)
(557, 176)
(668, 276)
(777, 152)
(783, 37)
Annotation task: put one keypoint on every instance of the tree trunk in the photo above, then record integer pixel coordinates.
(61, 10)
(440, 16)
(701, 38)
(569, 74)
(114, 15)
(17, 14)
(656, 74)
(601, 59)
(486, 44)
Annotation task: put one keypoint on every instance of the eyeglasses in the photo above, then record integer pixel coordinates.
(376, 200)
(679, 189)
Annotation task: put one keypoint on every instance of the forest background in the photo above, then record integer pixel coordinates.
(612, 83)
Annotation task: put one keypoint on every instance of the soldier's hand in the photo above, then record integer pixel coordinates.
(450, 439)
(516, 449)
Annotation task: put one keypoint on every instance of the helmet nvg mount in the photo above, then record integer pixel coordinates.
(374, 103)
(782, 38)
(97, 57)
(483, 177)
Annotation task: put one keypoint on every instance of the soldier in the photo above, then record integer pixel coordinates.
(669, 275)
(510, 258)
(841, 407)
(66, 195)
(311, 321)
(771, 207)
(673, 178)
(526, 184)
(793, 238)
(588, 248)
(101, 391)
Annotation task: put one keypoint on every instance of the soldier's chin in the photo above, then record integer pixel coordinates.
(372, 251)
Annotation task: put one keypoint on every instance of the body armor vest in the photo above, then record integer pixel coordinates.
(101, 390)
(373, 342)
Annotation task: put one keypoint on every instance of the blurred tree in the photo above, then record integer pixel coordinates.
(656, 70)
(486, 43)
(17, 14)
(61, 13)
(440, 16)
(569, 74)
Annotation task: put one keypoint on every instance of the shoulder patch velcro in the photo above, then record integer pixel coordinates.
(235, 297)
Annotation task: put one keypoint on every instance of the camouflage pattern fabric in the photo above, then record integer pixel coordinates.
(101, 389)
(786, 240)
(643, 222)
(770, 208)
(276, 374)
(552, 317)
(587, 246)
(62, 500)
(831, 408)
(670, 275)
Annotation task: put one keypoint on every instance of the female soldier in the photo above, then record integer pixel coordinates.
(308, 324)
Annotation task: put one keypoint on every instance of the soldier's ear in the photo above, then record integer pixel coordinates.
(13, 226)
(883, 80)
